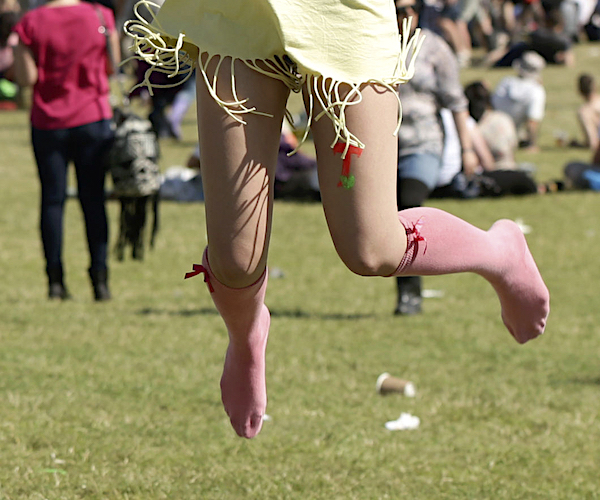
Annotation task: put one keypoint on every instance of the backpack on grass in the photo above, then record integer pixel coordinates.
(136, 180)
(132, 165)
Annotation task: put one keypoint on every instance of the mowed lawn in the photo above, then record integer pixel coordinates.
(121, 400)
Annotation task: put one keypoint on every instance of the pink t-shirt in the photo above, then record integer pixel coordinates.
(70, 53)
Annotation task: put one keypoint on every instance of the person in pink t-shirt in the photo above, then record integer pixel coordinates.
(63, 53)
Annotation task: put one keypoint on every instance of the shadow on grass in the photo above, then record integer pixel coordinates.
(153, 311)
(590, 380)
(298, 313)
(277, 313)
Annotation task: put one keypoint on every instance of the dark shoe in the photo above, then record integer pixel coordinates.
(56, 287)
(99, 279)
(58, 291)
(409, 295)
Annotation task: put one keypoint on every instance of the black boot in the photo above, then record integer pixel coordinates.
(99, 279)
(56, 287)
(409, 295)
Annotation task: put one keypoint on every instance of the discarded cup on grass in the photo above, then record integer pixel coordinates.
(387, 384)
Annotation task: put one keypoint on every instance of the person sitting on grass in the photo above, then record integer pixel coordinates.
(523, 98)
(580, 175)
(588, 113)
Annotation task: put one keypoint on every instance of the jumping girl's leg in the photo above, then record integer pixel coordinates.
(238, 164)
(363, 220)
(364, 223)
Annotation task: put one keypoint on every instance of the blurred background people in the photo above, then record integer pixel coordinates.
(295, 175)
(62, 53)
(496, 127)
(581, 175)
(588, 114)
(549, 40)
(489, 180)
(523, 98)
(8, 42)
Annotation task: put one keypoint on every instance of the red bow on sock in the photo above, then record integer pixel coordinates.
(197, 269)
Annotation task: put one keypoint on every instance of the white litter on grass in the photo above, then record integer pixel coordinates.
(276, 273)
(525, 229)
(432, 294)
(266, 418)
(405, 422)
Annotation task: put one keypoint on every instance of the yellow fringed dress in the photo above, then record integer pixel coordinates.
(322, 43)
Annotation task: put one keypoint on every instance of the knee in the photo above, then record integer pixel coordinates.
(53, 198)
(370, 262)
(91, 201)
(235, 269)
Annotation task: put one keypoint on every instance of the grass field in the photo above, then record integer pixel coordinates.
(121, 400)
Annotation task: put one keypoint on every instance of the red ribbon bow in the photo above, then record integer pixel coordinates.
(197, 269)
(417, 236)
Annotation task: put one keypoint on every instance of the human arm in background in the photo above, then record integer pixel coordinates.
(532, 127)
(26, 73)
(470, 161)
(535, 114)
(115, 48)
(113, 43)
(449, 93)
(482, 150)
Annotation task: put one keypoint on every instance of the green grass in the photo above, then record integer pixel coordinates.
(121, 400)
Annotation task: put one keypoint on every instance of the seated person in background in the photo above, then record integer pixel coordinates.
(496, 127)
(487, 180)
(523, 97)
(579, 175)
(549, 41)
(589, 113)
(295, 175)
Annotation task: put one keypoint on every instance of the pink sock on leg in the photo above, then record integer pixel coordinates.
(243, 385)
(440, 243)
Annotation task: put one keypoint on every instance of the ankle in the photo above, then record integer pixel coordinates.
(99, 279)
(243, 338)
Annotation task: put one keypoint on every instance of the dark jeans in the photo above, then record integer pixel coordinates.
(488, 184)
(575, 173)
(514, 53)
(86, 146)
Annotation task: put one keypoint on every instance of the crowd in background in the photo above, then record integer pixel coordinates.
(501, 31)
(455, 141)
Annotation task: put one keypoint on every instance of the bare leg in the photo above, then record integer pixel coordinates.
(238, 165)
(363, 222)
(451, 33)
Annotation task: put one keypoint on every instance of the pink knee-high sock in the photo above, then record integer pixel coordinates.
(243, 386)
(440, 243)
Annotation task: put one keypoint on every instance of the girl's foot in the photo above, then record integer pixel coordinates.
(524, 297)
(243, 386)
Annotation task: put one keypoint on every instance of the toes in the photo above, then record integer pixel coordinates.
(248, 427)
